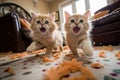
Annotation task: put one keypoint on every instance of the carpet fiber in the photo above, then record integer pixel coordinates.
(31, 66)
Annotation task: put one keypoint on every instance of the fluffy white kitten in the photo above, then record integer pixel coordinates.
(45, 33)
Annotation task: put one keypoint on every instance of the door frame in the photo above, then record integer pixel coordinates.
(61, 5)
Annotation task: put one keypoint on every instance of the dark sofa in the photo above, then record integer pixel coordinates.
(14, 36)
(106, 29)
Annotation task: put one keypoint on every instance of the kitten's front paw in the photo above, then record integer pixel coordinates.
(69, 57)
(88, 52)
(84, 59)
(30, 49)
(76, 55)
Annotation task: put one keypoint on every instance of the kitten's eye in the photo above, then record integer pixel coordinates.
(38, 22)
(72, 21)
(46, 22)
(81, 21)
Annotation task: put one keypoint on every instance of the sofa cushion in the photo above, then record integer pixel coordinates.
(110, 7)
(107, 38)
(107, 28)
(25, 23)
(25, 31)
(108, 19)
(100, 14)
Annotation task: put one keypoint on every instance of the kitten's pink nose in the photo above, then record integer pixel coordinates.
(76, 24)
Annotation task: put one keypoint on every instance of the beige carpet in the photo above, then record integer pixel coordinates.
(30, 66)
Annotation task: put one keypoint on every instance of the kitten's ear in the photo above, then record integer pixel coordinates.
(34, 15)
(52, 16)
(87, 15)
(67, 15)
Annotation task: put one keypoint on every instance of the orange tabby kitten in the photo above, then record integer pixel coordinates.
(45, 33)
(77, 33)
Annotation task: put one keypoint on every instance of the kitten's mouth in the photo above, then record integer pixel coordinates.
(76, 29)
(42, 29)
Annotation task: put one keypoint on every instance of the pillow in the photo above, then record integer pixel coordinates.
(100, 14)
(25, 29)
(25, 23)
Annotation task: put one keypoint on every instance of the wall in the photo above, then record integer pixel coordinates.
(54, 5)
(112, 1)
(115, 0)
(109, 1)
(1, 1)
(41, 7)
